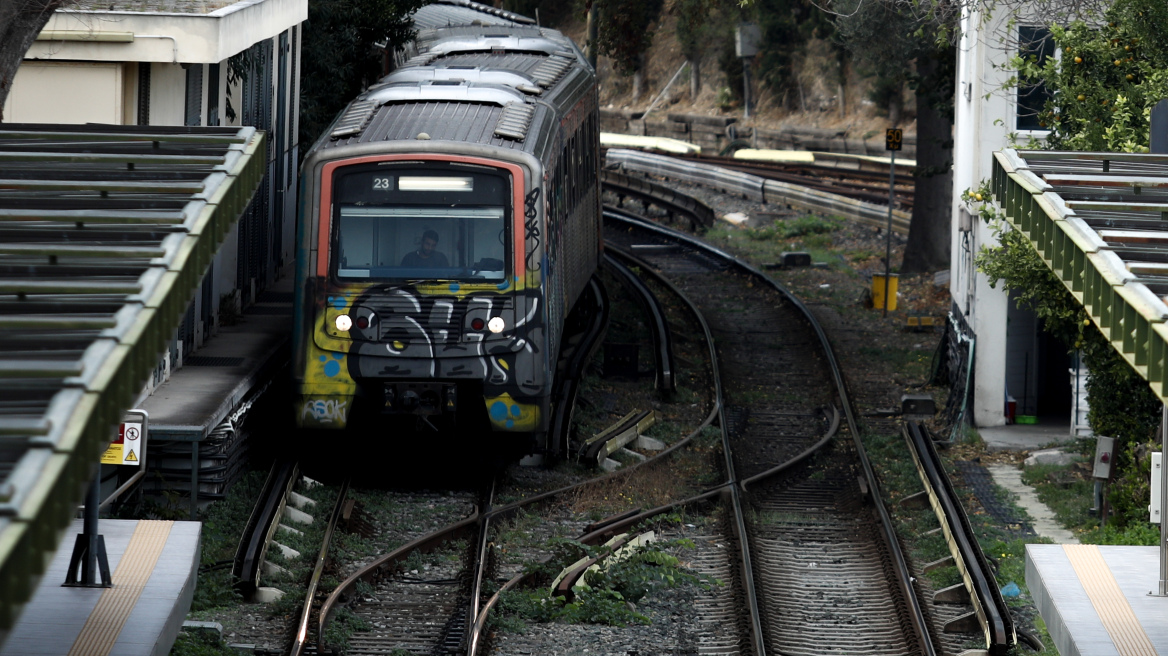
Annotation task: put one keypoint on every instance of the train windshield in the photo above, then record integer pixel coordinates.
(440, 223)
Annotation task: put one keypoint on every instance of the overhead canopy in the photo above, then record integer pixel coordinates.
(105, 234)
(1100, 222)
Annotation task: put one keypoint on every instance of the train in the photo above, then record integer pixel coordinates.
(449, 221)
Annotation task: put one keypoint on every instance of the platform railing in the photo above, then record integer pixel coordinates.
(105, 235)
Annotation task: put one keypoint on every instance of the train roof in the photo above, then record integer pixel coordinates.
(490, 83)
(447, 13)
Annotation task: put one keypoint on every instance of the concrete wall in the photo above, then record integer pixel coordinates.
(167, 37)
(168, 93)
(48, 92)
(713, 133)
(985, 113)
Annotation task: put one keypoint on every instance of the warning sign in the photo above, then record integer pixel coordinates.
(126, 449)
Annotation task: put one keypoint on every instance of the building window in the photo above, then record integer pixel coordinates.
(193, 114)
(144, 93)
(213, 94)
(1033, 42)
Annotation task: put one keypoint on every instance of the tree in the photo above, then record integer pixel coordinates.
(625, 34)
(20, 23)
(693, 30)
(341, 55)
(787, 26)
(903, 45)
(1109, 77)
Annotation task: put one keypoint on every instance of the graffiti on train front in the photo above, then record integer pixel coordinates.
(325, 411)
(404, 334)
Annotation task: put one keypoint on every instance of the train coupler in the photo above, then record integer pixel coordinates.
(425, 399)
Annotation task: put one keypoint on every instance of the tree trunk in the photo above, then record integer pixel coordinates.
(894, 107)
(639, 80)
(695, 78)
(20, 23)
(842, 80)
(928, 237)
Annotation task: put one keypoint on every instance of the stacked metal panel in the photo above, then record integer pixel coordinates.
(1100, 222)
(105, 234)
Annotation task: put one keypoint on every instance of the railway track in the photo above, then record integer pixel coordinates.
(820, 558)
(809, 508)
(814, 191)
(425, 609)
(813, 562)
(873, 179)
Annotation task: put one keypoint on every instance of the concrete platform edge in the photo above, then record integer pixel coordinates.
(1060, 633)
(174, 623)
(269, 363)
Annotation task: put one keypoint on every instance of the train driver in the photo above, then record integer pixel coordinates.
(426, 256)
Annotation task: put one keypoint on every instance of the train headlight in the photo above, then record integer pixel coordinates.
(344, 322)
(495, 325)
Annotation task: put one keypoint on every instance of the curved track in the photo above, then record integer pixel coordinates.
(988, 609)
(827, 568)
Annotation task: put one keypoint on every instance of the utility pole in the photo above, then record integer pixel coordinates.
(893, 138)
(746, 40)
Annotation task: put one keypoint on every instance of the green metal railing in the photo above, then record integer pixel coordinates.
(76, 347)
(1061, 201)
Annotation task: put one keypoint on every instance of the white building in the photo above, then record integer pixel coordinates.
(168, 63)
(1014, 358)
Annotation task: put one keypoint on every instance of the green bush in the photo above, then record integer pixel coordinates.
(800, 227)
(1107, 80)
(200, 643)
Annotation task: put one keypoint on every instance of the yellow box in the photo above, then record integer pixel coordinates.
(878, 290)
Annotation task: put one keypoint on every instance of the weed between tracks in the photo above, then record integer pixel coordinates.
(607, 595)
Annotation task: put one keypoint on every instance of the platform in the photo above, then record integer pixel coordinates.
(154, 566)
(232, 366)
(1094, 598)
(217, 377)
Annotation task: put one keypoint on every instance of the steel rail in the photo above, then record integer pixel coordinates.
(470, 523)
(670, 200)
(888, 531)
(757, 637)
(261, 526)
(864, 191)
(465, 526)
(591, 538)
(567, 382)
(828, 436)
(480, 566)
(301, 638)
(991, 610)
(807, 169)
(662, 336)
